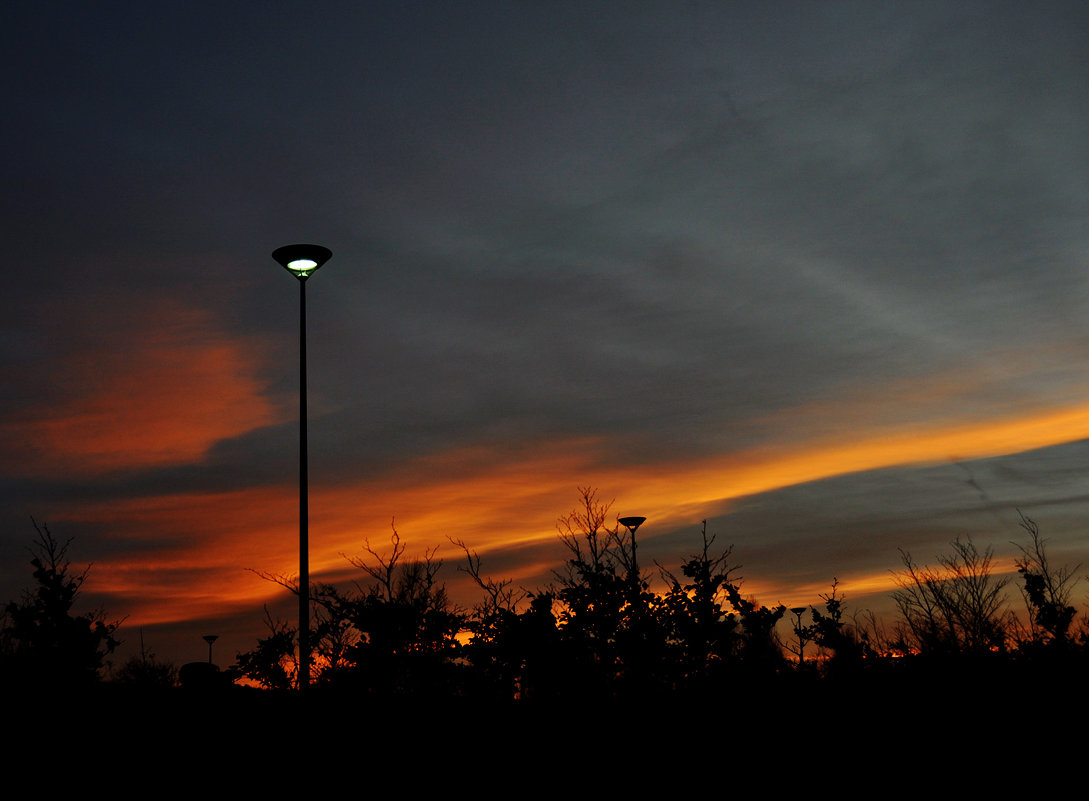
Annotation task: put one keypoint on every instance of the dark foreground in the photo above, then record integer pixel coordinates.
(786, 728)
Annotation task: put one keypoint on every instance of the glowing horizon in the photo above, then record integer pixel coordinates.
(504, 506)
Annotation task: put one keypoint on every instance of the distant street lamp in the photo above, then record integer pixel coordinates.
(631, 524)
(798, 611)
(210, 638)
(301, 261)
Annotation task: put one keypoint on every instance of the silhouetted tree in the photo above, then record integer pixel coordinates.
(273, 664)
(1046, 590)
(498, 649)
(406, 609)
(958, 607)
(611, 627)
(43, 640)
(831, 632)
(759, 646)
(398, 632)
(705, 635)
(395, 636)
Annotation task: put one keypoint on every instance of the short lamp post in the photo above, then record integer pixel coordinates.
(798, 611)
(635, 660)
(631, 524)
(301, 261)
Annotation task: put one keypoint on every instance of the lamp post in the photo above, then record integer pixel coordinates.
(301, 261)
(798, 612)
(631, 524)
(635, 658)
(210, 638)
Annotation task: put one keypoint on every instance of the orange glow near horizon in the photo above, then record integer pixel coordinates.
(167, 398)
(208, 540)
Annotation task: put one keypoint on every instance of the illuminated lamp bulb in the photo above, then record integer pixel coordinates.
(301, 260)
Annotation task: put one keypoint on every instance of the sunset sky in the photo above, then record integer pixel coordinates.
(817, 272)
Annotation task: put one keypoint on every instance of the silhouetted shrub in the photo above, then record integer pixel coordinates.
(43, 641)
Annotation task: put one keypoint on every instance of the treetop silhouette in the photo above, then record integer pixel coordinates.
(43, 640)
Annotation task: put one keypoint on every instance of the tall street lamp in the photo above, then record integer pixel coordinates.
(301, 261)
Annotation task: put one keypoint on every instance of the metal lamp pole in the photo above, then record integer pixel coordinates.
(798, 611)
(301, 261)
(631, 524)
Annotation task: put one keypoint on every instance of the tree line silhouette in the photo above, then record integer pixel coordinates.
(597, 632)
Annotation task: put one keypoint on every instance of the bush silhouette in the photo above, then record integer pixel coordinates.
(44, 641)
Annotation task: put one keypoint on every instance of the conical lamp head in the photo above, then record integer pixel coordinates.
(301, 260)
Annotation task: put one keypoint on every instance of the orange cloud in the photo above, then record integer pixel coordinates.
(187, 556)
(123, 400)
(516, 502)
(168, 397)
(774, 468)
